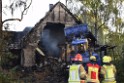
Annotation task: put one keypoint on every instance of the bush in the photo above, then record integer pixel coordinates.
(8, 60)
(4, 78)
(120, 70)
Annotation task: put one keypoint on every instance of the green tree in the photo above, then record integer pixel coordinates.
(99, 13)
(117, 39)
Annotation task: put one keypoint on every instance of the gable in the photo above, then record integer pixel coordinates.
(60, 15)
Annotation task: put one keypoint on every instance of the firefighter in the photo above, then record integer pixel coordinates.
(77, 74)
(85, 53)
(93, 70)
(108, 70)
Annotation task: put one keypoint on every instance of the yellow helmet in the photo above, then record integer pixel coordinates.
(93, 58)
(107, 59)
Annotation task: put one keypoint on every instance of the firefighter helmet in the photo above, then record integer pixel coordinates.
(78, 57)
(93, 58)
(107, 59)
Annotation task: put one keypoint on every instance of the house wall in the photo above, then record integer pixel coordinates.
(60, 15)
(29, 56)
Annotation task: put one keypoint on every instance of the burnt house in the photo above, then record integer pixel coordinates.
(48, 33)
(16, 37)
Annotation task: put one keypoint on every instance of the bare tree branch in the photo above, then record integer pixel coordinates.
(22, 14)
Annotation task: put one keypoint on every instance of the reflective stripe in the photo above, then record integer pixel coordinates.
(109, 79)
(109, 73)
(78, 57)
(93, 73)
(92, 80)
(74, 74)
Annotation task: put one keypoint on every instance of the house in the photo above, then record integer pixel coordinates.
(16, 37)
(48, 33)
(12, 50)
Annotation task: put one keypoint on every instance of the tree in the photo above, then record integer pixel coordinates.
(17, 4)
(14, 4)
(98, 13)
(0, 17)
(116, 39)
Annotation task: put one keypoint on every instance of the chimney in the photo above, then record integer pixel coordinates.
(50, 6)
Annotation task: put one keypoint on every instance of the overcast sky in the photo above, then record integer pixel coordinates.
(37, 11)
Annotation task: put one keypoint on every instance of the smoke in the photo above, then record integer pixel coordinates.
(51, 38)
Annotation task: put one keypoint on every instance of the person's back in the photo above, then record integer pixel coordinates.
(77, 74)
(93, 71)
(108, 70)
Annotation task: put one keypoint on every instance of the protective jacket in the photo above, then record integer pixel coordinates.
(108, 72)
(76, 72)
(93, 73)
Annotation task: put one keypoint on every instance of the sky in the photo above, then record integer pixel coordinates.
(36, 12)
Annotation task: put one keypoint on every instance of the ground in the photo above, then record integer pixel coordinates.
(45, 75)
(51, 73)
